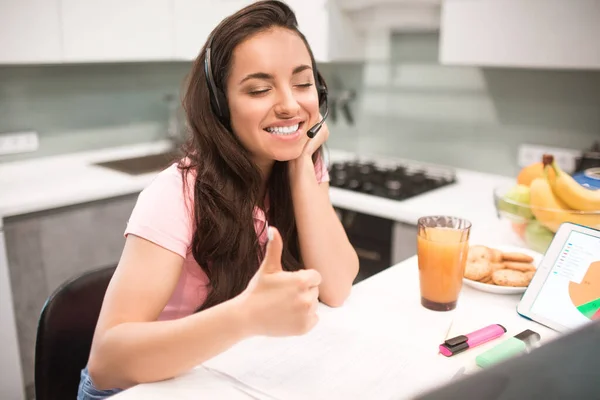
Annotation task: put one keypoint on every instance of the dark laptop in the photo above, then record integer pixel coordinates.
(566, 368)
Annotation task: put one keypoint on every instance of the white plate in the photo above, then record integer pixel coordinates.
(537, 258)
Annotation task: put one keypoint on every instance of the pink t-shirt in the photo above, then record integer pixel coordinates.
(163, 215)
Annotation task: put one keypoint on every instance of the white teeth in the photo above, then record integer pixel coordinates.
(284, 130)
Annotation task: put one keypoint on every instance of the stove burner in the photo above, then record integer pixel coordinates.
(398, 182)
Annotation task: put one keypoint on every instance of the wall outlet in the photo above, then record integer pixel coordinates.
(18, 142)
(565, 158)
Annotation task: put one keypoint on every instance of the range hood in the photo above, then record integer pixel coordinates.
(393, 15)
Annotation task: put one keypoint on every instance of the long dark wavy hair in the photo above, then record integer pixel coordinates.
(227, 183)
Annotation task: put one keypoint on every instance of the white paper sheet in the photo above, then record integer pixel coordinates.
(346, 356)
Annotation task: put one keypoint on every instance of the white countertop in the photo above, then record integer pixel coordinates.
(391, 299)
(51, 182)
(57, 181)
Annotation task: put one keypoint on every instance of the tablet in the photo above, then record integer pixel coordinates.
(564, 294)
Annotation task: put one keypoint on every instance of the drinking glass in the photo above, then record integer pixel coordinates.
(442, 249)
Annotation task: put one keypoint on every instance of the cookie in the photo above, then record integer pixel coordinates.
(497, 266)
(517, 257)
(479, 253)
(518, 266)
(509, 277)
(488, 279)
(496, 255)
(477, 270)
(529, 275)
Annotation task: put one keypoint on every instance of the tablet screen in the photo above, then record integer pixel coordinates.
(570, 295)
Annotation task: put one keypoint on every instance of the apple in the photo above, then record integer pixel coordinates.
(538, 237)
(516, 202)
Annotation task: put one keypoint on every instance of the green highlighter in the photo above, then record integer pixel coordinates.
(517, 344)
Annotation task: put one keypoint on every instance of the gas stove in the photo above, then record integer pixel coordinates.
(393, 180)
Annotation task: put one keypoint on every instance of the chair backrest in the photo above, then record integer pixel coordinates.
(65, 331)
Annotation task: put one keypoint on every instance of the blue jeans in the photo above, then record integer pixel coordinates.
(87, 390)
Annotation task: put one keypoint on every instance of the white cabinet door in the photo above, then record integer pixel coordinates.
(29, 31)
(116, 30)
(194, 20)
(313, 22)
(521, 33)
(329, 30)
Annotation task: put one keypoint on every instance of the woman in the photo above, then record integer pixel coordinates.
(197, 274)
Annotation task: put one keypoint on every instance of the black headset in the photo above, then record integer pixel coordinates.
(218, 100)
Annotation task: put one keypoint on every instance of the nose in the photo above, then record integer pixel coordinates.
(286, 103)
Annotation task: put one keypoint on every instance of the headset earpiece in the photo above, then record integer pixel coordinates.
(321, 87)
(218, 100)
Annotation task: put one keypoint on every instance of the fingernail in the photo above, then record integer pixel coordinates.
(270, 233)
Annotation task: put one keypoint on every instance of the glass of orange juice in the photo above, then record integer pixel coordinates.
(442, 248)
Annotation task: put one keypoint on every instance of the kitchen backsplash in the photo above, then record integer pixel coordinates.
(407, 106)
(412, 107)
(87, 106)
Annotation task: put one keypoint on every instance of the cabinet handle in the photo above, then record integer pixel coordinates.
(367, 254)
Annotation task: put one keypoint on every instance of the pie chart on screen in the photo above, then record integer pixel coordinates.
(586, 295)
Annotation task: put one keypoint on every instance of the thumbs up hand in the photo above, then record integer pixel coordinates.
(281, 303)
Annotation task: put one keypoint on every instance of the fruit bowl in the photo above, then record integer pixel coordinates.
(533, 223)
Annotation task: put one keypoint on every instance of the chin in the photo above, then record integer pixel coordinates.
(287, 154)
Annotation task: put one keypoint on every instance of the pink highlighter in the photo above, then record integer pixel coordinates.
(461, 343)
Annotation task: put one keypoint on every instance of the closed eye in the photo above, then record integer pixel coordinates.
(258, 92)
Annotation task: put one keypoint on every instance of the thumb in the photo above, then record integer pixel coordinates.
(272, 261)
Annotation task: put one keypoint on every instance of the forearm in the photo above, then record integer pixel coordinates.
(324, 244)
(138, 352)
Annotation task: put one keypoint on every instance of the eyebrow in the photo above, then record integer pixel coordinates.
(265, 76)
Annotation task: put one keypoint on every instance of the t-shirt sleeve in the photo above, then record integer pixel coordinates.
(321, 169)
(163, 214)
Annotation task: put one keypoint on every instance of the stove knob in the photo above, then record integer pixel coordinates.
(393, 188)
(368, 187)
(366, 169)
(354, 184)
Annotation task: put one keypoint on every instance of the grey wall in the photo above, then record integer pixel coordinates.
(87, 106)
(411, 107)
(408, 106)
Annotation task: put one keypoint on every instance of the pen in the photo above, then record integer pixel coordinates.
(461, 343)
(513, 346)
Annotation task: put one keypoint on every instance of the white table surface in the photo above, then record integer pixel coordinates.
(73, 179)
(390, 295)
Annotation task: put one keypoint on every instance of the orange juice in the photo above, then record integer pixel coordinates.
(442, 254)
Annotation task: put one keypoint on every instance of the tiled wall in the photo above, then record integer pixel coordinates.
(407, 106)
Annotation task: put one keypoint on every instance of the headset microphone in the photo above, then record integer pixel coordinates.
(312, 132)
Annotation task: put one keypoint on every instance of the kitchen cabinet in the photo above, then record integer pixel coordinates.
(194, 20)
(45, 249)
(379, 242)
(329, 30)
(404, 242)
(402, 16)
(73, 31)
(115, 30)
(554, 34)
(326, 27)
(30, 32)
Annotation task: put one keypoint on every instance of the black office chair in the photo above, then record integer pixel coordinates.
(65, 331)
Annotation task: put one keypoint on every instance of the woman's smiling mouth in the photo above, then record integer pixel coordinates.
(287, 131)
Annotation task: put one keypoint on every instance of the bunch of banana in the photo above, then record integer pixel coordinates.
(559, 198)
